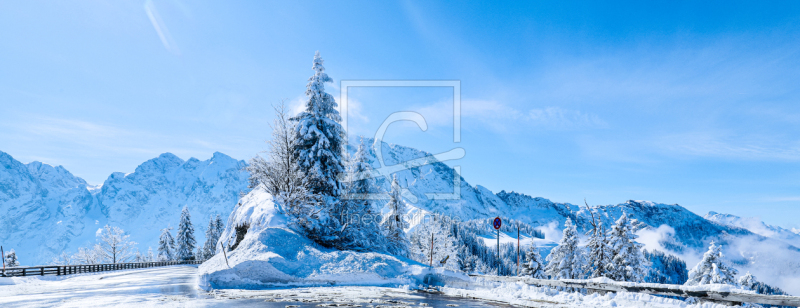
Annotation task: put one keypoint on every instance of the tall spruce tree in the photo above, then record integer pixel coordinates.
(628, 262)
(319, 135)
(219, 226)
(566, 261)
(599, 252)
(533, 265)
(166, 245)
(360, 231)
(712, 269)
(186, 242)
(394, 223)
(209, 248)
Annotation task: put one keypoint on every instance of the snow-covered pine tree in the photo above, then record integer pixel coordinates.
(394, 223)
(150, 257)
(185, 241)
(599, 251)
(11, 258)
(467, 262)
(533, 265)
(319, 136)
(166, 245)
(360, 231)
(219, 227)
(712, 269)
(627, 261)
(748, 281)
(566, 261)
(444, 244)
(209, 248)
(138, 257)
(114, 245)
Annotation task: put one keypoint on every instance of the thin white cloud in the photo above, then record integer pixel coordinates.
(749, 147)
(160, 27)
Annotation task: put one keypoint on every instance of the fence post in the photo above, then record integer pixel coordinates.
(23, 272)
(41, 269)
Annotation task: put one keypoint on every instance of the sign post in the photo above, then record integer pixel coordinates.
(496, 224)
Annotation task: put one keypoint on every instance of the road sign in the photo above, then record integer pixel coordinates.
(497, 223)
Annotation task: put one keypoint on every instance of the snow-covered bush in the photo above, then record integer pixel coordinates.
(712, 269)
(11, 258)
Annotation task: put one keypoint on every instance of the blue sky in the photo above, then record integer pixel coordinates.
(672, 102)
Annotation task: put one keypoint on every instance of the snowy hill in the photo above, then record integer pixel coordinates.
(47, 210)
(756, 226)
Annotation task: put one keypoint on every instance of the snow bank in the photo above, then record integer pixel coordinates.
(272, 255)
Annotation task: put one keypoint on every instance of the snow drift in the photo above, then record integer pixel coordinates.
(272, 254)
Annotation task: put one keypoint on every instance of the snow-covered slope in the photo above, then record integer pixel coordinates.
(47, 210)
(272, 254)
(755, 225)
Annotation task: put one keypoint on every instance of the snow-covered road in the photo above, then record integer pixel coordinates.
(175, 287)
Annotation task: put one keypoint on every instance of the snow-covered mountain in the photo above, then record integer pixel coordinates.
(756, 226)
(47, 210)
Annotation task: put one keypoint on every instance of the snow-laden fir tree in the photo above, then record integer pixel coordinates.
(185, 240)
(394, 223)
(212, 237)
(566, 261)
(598, 249)
(467, 262)
(11, 258)
(434, 231)
(219, 226)
(138, 257)
(712, 269)
(166, 245)
(533, 265)
(114, 245)
(748, 281)
(150, 257)
(319, 136)
(360, 230)
(627, 261)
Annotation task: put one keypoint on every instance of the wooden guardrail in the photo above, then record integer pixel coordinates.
(656, 289)
(84, 268)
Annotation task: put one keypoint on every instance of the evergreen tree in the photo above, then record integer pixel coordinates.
(599, 251)
(11, 258)
(186, 242)
(627, 261)
(467, 262)
(166, 246)
(566, 261)
(319, 136)
(150, 257)
(712, 269)
(748, 281)
(360, 231)
(665, 268)
(212, 237)
(444, 245)
(138, 257)
(394, 223)
(219, 227)
(533, 265)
